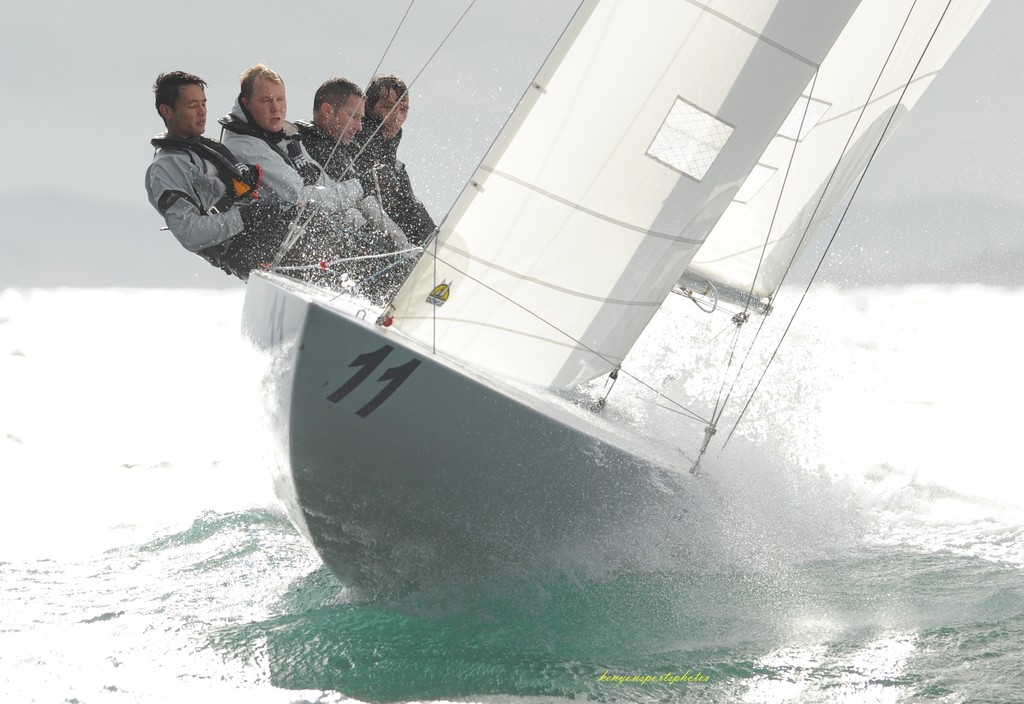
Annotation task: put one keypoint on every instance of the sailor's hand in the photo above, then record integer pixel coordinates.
(354, 219)
(371, 209)
(347, 193)
(374, 213)
(247, 183)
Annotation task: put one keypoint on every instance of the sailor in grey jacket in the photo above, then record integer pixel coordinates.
(187, 189)
(209, 203)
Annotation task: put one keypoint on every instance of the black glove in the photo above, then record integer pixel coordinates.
(247, 180)
(260, 215)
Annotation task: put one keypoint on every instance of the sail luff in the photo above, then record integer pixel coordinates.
(600, 191)
(530, 96)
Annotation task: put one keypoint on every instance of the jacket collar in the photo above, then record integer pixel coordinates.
(377, 144)
(240, 120)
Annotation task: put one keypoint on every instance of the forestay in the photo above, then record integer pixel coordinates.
(640, 128)
(865, 86)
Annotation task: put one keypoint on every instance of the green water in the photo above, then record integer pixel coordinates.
(235, 605)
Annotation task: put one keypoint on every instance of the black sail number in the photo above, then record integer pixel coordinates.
(367, 363)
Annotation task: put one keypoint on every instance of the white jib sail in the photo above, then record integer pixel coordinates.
(636, 136)
(866, 85)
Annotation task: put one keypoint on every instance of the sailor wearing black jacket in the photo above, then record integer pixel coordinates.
(380, 171)
(337, 118)
(335, 158)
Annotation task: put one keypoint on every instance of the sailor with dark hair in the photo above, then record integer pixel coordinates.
(380, 170)
(337, 118)
(210, 201)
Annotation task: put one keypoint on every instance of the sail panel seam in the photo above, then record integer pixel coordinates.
(757, 35)
(588, 211)
(539, 282)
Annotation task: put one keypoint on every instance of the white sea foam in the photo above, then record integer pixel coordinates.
(896, 405)
(888, 412)
(125, 411)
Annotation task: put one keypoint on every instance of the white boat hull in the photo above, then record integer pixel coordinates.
(402, 468)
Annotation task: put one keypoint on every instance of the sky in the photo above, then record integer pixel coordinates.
(941, 203)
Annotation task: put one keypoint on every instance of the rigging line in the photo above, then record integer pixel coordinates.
(380, 62)
(400, 253)
(846, 210)
(863, 111)
(723, 396)
(686, 413)
(471, 182)
(782, 191)
(398, 29)
(575, 341)
(409, 84)
(301, 218)
(720, 404)
(720, 333)
(433, 313)
(679, 408)
(743, 365)
(821, 198)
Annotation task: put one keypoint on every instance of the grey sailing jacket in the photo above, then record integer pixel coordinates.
(288, 170)
(199, 188)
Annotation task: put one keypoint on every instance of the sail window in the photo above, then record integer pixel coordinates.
(689, 139)
(758, 177)
(814, 109)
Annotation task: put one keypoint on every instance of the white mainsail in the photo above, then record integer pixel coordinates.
(873, 75)
(641, 127)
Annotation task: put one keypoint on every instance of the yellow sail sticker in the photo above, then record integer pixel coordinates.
(440, 293)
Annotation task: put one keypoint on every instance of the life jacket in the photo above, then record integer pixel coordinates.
(287, 146)
(240, 181)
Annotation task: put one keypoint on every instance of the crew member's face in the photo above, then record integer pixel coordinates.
(268, 105)
(188, 116)
(393, 111)
(345, 121)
